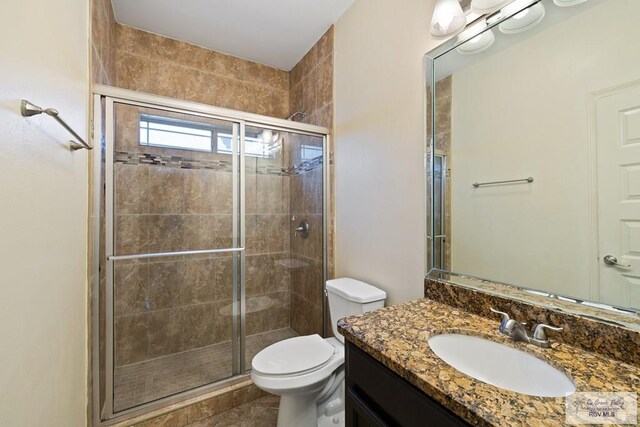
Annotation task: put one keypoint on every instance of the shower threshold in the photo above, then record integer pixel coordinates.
(144, 382)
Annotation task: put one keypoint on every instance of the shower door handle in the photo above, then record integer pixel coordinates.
(178, 253)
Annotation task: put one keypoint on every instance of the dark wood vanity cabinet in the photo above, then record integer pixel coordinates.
(377, 397)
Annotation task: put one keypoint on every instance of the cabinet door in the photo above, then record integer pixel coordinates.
(360, 414)
(377, 394)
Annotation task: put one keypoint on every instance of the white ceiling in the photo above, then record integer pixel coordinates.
(272, 32)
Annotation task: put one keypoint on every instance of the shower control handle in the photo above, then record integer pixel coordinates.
(302, 229)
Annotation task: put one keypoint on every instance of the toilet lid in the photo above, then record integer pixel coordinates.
(294, 355)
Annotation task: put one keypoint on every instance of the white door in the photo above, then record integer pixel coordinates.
(617, 121)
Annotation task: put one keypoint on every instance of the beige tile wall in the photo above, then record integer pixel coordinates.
(151, 63)
(169, 305)
(267, 231)
(103, 36)
(306, 279)
(311, 83)
(311, 91)
(165, 312)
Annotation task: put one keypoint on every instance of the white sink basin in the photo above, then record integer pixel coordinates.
(501, 366)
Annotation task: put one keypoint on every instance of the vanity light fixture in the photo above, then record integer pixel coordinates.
(524, 20)
(568, 3)
(472, 31)
(477, 44)
(487, 6)
(448, 18)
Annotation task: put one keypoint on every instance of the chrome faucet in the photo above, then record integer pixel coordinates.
(518, 332)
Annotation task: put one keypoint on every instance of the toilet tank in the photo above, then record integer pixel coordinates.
(348, 297)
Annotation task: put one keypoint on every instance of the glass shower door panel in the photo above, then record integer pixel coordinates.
(174, 192)
(284, 267)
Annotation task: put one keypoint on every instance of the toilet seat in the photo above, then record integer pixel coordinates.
(293, 356)
(301, 381)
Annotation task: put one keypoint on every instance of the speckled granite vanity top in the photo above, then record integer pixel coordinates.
(397, 337)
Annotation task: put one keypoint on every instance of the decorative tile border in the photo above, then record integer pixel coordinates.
(180, 162)
(305, 166)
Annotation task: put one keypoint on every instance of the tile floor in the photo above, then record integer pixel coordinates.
(153, 379)
(261, 412)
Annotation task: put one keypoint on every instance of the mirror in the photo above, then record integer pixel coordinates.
(534, 150)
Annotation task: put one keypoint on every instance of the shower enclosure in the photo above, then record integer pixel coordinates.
(212, 245)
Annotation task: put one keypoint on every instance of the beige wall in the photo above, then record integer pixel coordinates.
(379, 146)
(43, 255)
(546, 137)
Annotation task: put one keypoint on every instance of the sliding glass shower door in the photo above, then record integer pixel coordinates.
(210, 245)
(176, 247)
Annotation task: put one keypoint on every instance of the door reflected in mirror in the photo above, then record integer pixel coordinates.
(535, 151)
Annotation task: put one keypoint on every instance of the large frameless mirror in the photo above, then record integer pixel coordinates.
(534, 151)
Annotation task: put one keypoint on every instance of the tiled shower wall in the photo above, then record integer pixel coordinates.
(154, 64)
(311, 83)
(267, 228)
(169, 200)
(307, 277)
(166, 306)
(311, 91)
(103, 43)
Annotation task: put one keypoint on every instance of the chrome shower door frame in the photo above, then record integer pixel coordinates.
(105, 99)
(111, 257)
(440, 238)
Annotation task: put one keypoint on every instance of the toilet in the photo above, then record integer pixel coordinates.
(307, 372)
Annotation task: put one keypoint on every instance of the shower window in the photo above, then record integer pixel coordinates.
(310, 152)
(164, 132)
(181, 134)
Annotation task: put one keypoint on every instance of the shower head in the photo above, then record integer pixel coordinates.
(302, 114)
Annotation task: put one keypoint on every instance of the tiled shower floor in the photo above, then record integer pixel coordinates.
(144, 382)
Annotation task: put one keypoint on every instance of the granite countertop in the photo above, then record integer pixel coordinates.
(397, 337)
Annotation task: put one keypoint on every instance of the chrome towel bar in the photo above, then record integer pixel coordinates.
(511, 181)
(29, 109)
(163, 254)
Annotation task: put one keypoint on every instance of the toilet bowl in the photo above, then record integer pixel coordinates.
(307, 372)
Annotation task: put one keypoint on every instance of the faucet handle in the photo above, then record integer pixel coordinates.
(539, 331)
(505, 316)
(504, 321)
